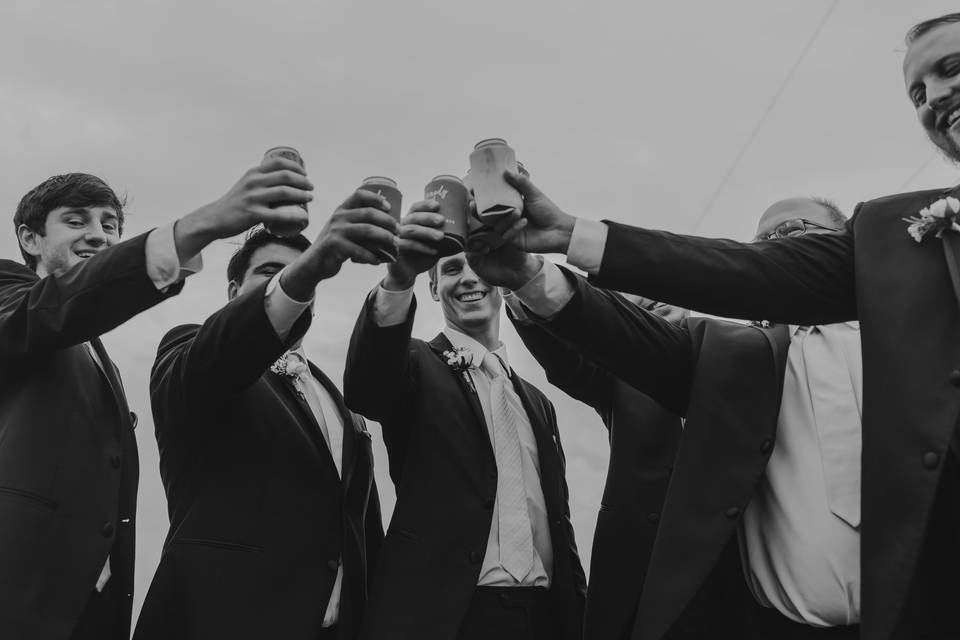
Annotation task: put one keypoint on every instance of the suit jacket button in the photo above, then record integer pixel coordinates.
(733, 512)
(766, 446)
(955, 377)
(475, 557)
(931, 459)
(107, 529)
(653, 517)
(333, 565)
(115, 461)
(133, 420)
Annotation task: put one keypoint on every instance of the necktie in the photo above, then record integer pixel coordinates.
(304, 383)
(516, 535)
(838, 420)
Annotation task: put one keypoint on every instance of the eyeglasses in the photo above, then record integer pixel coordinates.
(793, 228)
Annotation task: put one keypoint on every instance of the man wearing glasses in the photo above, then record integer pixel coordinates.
(759, 532)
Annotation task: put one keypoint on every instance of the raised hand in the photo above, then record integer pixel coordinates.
(420, 231)
(548, 227)
(500, 262)
(355, 231)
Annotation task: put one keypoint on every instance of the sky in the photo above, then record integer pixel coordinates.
(632, 111)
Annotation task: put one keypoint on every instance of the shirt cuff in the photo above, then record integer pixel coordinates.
(515, 306)
(587, 244)
(547, 293)
(163, 263)
(282, 310)
(391, 307)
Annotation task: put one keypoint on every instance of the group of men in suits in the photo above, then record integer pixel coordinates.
(900, 508)
(738, 472)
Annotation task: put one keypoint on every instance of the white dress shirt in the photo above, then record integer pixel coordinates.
(391, 308)
(283, 312)
(799, 557)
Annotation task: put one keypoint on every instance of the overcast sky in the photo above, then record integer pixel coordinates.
(626, 110)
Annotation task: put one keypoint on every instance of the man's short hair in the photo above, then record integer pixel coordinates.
(836, 215)
(256, 238)
(918, 30)
(65, 190)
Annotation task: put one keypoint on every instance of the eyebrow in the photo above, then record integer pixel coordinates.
(268, 265)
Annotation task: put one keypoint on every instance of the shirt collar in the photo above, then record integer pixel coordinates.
(852, 324)
(477, 350)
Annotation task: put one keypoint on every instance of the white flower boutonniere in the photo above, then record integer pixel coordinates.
(291, 366)
(460, 359)
(939, 217)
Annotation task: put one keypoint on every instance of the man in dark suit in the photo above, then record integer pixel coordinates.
(68, 457)
(790, 394)
(643, 439)
(480, 544)
(274, 516)
(904, 291)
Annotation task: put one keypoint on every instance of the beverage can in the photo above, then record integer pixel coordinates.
(454, 200)
(388, 189)
(286, 229)
(495, 197)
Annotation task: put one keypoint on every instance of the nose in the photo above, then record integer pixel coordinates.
(467, 276)
(95, 236)
(938, 94)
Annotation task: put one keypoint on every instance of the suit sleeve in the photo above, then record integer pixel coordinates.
(41, 315)
(804, 280)
(378, 372)
(200, 366)
(566, 368)
(373, 531)
(637, 346)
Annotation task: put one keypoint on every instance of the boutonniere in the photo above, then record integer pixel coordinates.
(292, 367)
(938, 217)
(460, 359)
(762, 324)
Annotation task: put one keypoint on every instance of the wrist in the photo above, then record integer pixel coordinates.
(193, 232)
(397, 280)
(525, 272)
(565, 232)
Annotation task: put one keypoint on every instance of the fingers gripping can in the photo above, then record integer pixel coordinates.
(495, 197)
(386, 188)
(451, 194)
(285, 229)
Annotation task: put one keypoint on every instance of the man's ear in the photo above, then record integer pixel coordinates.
(29, 240)
(233, 288)
(433, 291)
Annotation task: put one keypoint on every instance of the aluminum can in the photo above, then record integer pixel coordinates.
(387, 188)
(286, 229)
(451, 193)
(495, 197)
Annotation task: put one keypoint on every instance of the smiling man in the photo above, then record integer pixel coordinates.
(480, 544)
(68, 456)
(904, 288)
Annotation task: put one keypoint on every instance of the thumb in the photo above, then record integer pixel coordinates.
(522, 184)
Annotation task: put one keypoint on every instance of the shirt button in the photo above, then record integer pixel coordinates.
(766, 446)
(115, 461)
(931, 459)
(107, 530)
(733, 512)
(474, 557)
(333, 565)
(653, 517)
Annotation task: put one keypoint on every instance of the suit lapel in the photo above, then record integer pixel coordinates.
(109, 373)
(308, 423)
(440, 344)
(951, 251)
(352, 428)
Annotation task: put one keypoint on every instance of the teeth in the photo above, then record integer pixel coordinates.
(471, 297)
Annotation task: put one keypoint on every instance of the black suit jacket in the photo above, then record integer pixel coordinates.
(68, 457)
(906, 297)
(443, 467)
(258, 514)
(643, 440)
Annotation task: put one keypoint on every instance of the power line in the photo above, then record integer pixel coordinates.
(916, 174)
(763, 118)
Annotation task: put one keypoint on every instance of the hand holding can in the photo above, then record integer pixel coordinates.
(286, 229)
(387, 189)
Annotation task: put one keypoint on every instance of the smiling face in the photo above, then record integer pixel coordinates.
(469, 304)
(931, 72)
(70, 236)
